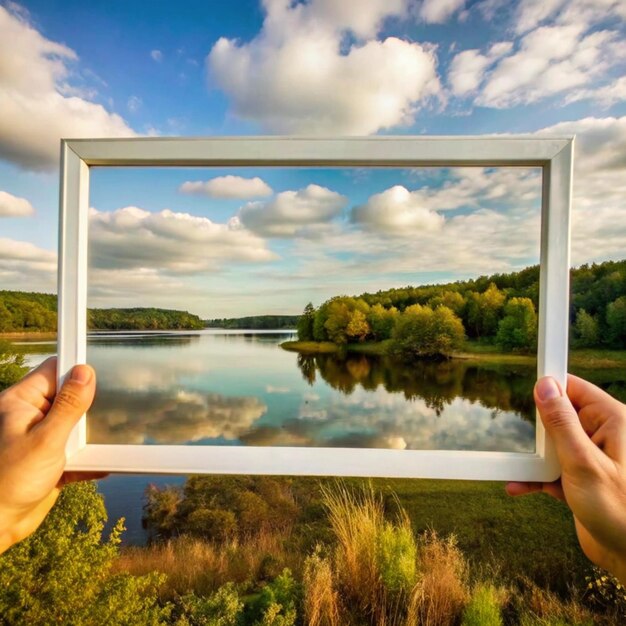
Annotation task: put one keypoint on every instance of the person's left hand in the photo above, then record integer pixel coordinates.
(35, 423)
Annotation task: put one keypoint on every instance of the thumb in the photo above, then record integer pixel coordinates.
(70, 404)
(573, 447)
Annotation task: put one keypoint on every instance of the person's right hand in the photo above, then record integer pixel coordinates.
(589, 432)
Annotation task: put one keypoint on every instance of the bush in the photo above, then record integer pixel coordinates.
(62, 573)
(483, 608)
(276, 604)
(12, 366)
(223, 608)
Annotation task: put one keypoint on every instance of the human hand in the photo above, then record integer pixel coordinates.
(35, 423)
(589, 433)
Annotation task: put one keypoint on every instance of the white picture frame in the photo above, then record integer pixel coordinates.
(554, 155)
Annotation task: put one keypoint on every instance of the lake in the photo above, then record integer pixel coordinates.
(216, 387)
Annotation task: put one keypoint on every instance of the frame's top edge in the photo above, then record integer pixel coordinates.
(376, 138)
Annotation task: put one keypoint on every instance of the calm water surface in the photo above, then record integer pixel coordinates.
(237, 388)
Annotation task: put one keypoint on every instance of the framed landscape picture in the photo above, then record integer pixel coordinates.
(373, 306)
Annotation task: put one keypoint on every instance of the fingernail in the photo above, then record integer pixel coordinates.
(547, 389)
(81, 374)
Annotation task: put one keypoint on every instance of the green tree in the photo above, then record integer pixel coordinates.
(452, 299)
(518, 329)
(586, 330)
(62, 573)
(357, 327)
(616, 322)
(381, 321)
(484, 311)
(423, 332)
(306, 322)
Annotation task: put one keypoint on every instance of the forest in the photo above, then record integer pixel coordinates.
(499, 309)
(255, 322)
(35, 312)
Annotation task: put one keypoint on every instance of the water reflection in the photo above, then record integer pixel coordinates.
(243, 389)
(438, 383)
(131, 417)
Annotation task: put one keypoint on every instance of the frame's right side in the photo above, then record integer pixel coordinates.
(552, 350)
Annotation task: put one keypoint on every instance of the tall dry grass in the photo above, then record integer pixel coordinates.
(384, 573)
(198, 566)
(321, 604)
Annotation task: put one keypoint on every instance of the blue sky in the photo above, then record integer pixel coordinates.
(75, 69)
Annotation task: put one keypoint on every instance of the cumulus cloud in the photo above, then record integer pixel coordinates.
(293, 213)
(38, 104)
(605, 96)
(550, 60)
(560, 48)
(131, 237)
(228, 187)
(13, 206)
(439, 11)
(130, 417)
(25, 265)
(318, 67)
(468, 67)
(598, 225)
(397, 211)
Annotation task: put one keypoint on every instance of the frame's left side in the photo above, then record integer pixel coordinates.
(72, 278)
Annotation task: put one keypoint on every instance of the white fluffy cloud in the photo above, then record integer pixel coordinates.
(561, 48)
(439, 11)
(176, 242)
(605, 96)
(25, 266)
(303, 73)
(228, 187)
(38, 104)
(599, 220)
(13, 206)
(551, 60)
(468, 67)
(397, 211)
(293, 213)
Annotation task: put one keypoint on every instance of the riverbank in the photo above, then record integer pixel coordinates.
(583, 359)
(40, 335)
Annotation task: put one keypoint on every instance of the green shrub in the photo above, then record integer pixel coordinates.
(62, 573)
(396, 557)
(276, 604)
(483, 608)
(12, 366)
(223, 608)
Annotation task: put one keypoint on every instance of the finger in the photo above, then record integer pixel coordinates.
(573, 447)
(74, 477)
(582, 393)
(38, 386)
(521, 489)
(72, 401)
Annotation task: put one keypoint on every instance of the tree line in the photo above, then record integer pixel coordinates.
(23, 312)
(499, 309)
(255, 322)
